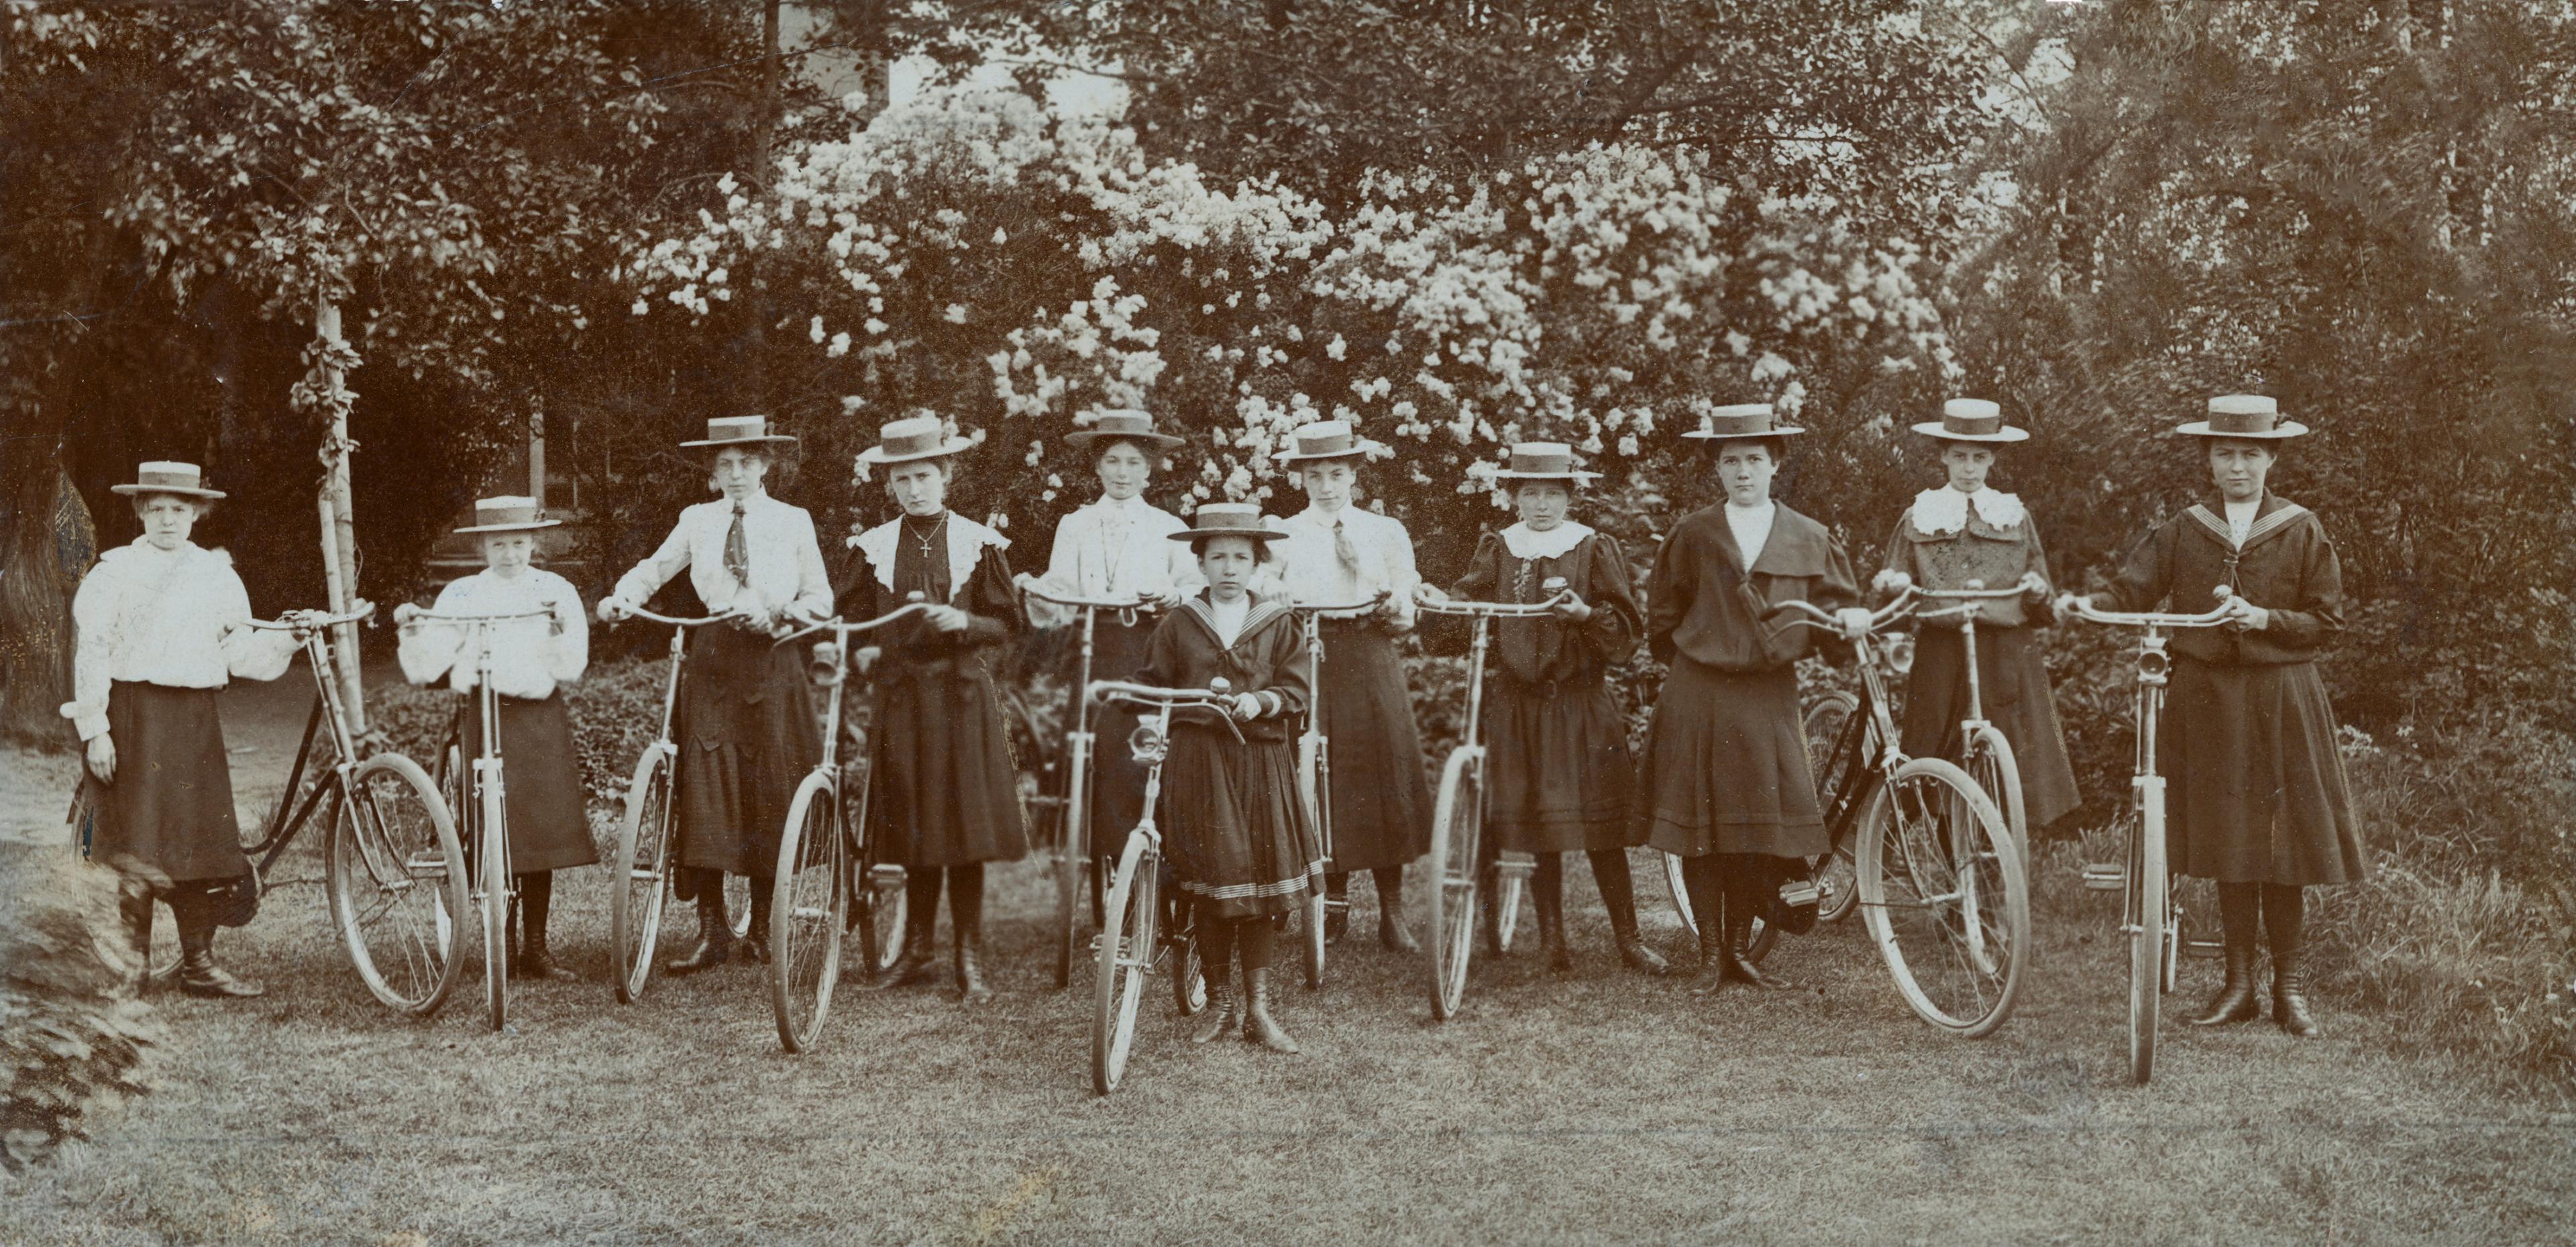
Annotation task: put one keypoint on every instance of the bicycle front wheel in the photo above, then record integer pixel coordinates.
(1125, 956)
(641, 889)
(2149, 909)
(1990, 763)
(492, 878)
(396, 877)
(1943, 894)
(809, 908)
(1456, 824)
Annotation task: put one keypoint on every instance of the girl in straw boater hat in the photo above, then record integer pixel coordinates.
(1333, 553)
(1725, 778)
(160, 626)
(1559, 779)
(943, 790)
(1242, 846)
(1963, 533)
(532, 659)
(746, 727)
(2258, 798)
(1110, 549)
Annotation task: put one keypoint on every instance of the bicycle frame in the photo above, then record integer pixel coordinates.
(1969, 601)
(1314, 746)
(280, 830)
(1079, 742)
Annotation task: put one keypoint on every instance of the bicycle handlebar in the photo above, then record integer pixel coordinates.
(839, 628)
(1342, 611)
(643, 614)
(1029, 585)
(435, 617)
(1498, 610)
(1823, 618)
(1177, 699)
(2083, 609)
(311, 621)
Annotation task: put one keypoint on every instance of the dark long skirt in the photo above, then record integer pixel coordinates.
(747, 737)
(1117, 800)
(1726, 766)
(1557, 773)
(2012, 683)
(168, 816)
(1381, 802)
(944, 789)
(2255, 784)
(1240, 843)
(541, 790)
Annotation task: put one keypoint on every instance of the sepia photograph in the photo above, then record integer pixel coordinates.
(1287, 621)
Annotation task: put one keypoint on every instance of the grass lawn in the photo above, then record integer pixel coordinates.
(1604, 1107)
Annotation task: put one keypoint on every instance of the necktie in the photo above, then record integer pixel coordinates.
(1344, 550)
(737, 554)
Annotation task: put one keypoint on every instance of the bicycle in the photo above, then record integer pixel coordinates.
(475, 791)
(1983, 752)
(1458, 821)
(816, 895)
(1938, 877)
(1132, 943)
(1068, 855)
(379, 851)
(2149, 916)
(643, 861)
(1315, 775)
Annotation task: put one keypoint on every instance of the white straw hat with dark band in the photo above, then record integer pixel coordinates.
(739, 431)
(1971, 420)
(1545, 461)
(509, 513)
(1121, 425)
(1226, 519)
(162, 476)
(2243, 415)
(914, 437)
(1325, 439)
(1740, 420)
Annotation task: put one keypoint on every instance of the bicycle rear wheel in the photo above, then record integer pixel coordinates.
(641, 887)
(1124, 957)
(1990, 762)
(1456, 824)
(1189, 973)
(1837, 744)
(809, 908)
(2148, 915)
(396, 878)
(1943, 894)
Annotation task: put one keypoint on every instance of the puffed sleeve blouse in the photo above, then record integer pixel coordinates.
(530, 657)
(177, 618)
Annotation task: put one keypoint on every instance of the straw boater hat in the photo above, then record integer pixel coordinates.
(1226, 519)
(2243, 415)
(1325, 439)
(1971, 420)
(914, 437)
(1545, 461)
(739, 431)
(165, 477)
(509, 513)
(1740, 420)
(1122, 425)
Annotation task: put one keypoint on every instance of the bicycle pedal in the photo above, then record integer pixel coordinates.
(1515, 868)
(2105, 877)
(2206, 950)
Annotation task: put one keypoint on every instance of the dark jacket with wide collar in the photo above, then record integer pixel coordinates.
(1702, 603)
(1268, 658)
(2286, 566)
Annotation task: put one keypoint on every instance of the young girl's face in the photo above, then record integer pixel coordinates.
(2237, 466)
(1330, 484)
(737, 473)
(509, 554)
(1542, 504)
(919, 487)
(1745, 468)
(1227, 562)
(1124, 469)
(1968, 463)
(167, 519)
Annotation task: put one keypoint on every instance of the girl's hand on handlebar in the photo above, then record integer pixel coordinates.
(1246, 706)
(2067, 604)
(1430, 595)
(1890, 581)
(614, 608)
(1572, 609)
(2244, 616)
(405, 613)
(947, 618)
(2034, 585)
(1854, 621)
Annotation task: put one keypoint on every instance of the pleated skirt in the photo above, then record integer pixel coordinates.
(1726, 766)
(1558, 777)
(943, 785)
(541, 788)
(1380, 800)
(2012, 684)
(1240, 843)
(747, 737)
(2254, 781)
(168, 816)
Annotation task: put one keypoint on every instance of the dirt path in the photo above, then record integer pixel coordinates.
(1601, 1108)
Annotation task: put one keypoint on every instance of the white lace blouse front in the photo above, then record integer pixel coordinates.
(529, 656)
(175, 618)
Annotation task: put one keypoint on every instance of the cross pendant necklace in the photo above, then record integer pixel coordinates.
(924, 538)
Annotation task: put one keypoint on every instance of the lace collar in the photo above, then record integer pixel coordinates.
(1942, 510)
(1528, 543)
(966, 542)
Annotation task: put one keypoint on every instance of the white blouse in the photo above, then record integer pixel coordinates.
(1752, 528)
(786, 560)
(1313, 571)
(1114, 549)
(174, 618)
(529, 656)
